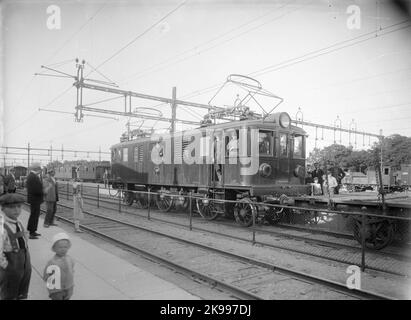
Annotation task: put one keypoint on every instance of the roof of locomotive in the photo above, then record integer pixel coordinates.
(225, 125)
(262, 124)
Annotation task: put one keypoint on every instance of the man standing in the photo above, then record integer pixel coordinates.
(318, 173)
(1, 184)
(10, 182)
(51, 197)
(34, 198)
(338, 174)
(105, 178)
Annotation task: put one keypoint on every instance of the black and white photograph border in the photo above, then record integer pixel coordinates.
(209, 151)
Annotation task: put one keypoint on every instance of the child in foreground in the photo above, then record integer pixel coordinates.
(59, 271)
(15, 266)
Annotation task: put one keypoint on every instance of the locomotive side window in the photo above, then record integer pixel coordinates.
(265, 142)
(298, 147)
(283, 145)
(231, 143)
(125, 154)
(186, 141)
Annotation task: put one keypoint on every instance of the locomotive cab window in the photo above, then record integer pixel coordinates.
(298, 147)
(283, 145)
(265, 142)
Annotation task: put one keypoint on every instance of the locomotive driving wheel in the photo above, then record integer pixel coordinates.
(274, 215)
(207, 208)
(142, 201)
(164, 202)
(378, 234)
(244, 211)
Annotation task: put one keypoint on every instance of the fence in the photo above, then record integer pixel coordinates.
(12, 155)
(120, 195)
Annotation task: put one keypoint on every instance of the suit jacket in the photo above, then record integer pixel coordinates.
(9, 182)
(34, 189)
(50, 190)
(337, 173)
(318, 173)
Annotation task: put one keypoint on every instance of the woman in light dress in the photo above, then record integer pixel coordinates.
(78, 204)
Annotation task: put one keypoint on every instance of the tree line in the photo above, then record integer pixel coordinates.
(396, 151)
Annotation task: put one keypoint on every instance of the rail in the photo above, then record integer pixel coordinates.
(151, 195)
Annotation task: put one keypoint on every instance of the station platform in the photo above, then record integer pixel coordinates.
(99, 275)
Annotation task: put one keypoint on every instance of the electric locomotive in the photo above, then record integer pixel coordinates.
(254, 159)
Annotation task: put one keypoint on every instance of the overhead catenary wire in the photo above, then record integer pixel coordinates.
(138, 37)
(315, 53)
(8, 132)
(25, 90)
(76, 32)
(145, 72)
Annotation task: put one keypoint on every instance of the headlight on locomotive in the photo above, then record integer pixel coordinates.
(299, 172)
(265, 170)
(284, 120)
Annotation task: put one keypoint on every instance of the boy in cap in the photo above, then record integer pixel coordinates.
(15, 266)
(59, 271)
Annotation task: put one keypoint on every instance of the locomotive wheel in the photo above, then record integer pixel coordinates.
(244, 211)
(164, 202)
(207, 211)
(129, 198)
(142, 201)
(273, 215)
(377, 235)
(184, 206)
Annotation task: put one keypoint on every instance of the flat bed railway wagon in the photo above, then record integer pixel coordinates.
(392, 180)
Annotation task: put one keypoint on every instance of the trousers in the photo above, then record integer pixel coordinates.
(15, 279)
(34, 217)
(51, 211)
(62, 295)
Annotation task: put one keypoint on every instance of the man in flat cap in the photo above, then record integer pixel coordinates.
(35, 198)
(15, 266)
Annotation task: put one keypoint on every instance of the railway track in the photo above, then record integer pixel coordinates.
(242, 276)
(349, 252)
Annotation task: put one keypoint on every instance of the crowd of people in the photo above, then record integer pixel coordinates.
(328, 182)
(8, 182)
(15, 264)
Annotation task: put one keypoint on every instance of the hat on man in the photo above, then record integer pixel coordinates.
(35, 166)
(60, 236)
(11, 198)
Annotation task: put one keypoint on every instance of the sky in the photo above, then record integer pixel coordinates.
(313, 54)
